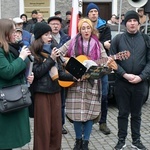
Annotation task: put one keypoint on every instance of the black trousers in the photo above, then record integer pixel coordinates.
(130, 99)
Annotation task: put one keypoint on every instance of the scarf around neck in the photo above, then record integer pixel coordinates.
(76, 47)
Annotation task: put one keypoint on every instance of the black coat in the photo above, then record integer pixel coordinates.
(43, 82)
(105, 35)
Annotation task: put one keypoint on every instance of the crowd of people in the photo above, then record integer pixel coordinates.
(86, 101)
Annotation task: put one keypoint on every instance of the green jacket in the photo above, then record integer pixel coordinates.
(14, 126)
(11, 69)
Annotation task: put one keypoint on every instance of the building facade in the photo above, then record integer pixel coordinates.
(11, 9)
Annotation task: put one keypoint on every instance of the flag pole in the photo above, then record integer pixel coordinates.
(120, 16)
(74, 16)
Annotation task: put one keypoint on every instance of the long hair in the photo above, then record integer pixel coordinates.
(36, 48)
(6, 28)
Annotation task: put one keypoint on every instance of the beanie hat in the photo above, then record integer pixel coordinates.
(84, 20)
(131, 15)
(91, 6)
(41, 28)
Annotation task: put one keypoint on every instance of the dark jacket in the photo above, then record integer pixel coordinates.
(42, 81)
(104, 31)
(139, 61)
(63, 39)
(28, 27)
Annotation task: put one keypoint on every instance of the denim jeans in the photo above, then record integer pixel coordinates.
(83, 128)
(104, 100)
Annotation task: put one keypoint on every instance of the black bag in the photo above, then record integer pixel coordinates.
(14, 97)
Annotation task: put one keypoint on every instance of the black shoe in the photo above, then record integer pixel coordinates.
(120, 145)
(78, 144)
(138, 145)
(64, 131)
(85, 145)
(104, 129)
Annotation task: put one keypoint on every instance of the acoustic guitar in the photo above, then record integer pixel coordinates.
(83, 58)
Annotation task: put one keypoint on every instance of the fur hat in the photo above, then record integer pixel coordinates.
(41, 28)
(131, 15)
(54, 18)
(91, 6)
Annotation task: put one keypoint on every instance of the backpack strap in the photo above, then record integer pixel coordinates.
(147, 40)
(118, 37)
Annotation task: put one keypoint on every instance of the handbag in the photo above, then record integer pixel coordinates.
(14, 98)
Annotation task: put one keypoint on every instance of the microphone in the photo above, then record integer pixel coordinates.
(61, 58)
(31, 58)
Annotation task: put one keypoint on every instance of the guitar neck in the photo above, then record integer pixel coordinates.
(105, 59)
(101, 61)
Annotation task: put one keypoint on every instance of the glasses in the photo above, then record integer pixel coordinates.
(54, 24)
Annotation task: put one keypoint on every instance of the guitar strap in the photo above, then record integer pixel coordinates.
(118, 39)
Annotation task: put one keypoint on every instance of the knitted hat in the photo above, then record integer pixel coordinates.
(82, 21)
(54, 18)
(91, 6)
(41, 28)
(131, 15)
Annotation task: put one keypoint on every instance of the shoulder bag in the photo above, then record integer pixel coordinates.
(14, 98)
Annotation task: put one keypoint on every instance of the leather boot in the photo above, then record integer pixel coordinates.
(104, 129)
(85, 145)
(78, 144)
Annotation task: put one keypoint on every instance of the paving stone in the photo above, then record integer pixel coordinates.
(99, 141)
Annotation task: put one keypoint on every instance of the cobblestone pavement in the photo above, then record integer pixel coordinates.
(99, 141)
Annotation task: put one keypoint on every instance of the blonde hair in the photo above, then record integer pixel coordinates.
(88, 21)
(83, 20)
